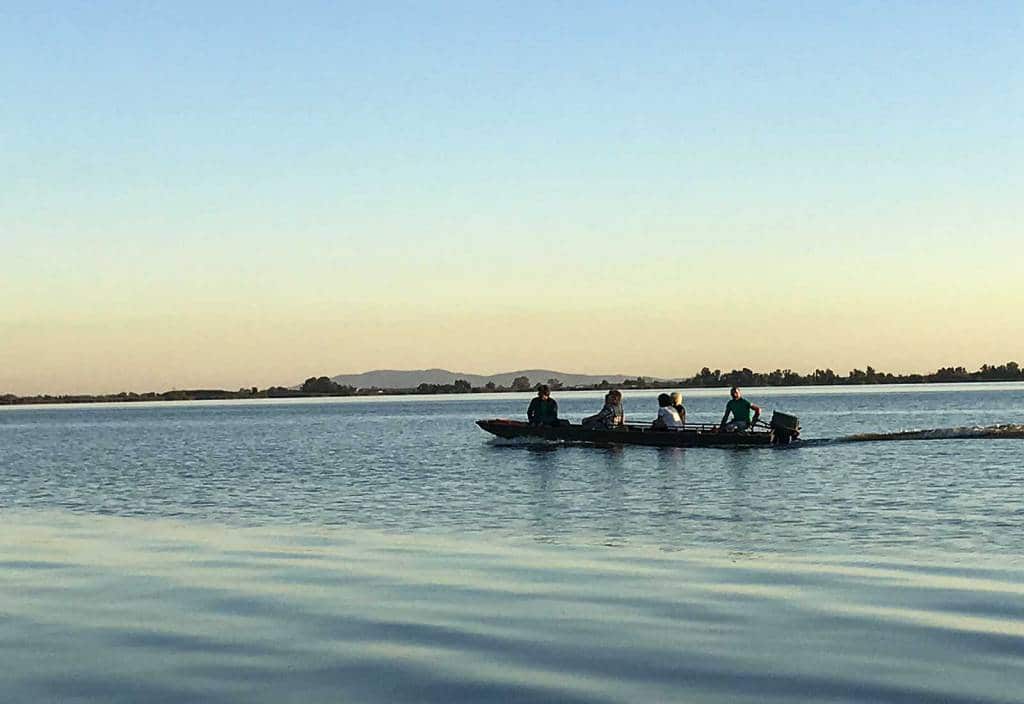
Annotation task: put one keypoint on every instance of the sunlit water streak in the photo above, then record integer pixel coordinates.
(388, 551)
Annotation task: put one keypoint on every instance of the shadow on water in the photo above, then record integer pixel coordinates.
(540, 445)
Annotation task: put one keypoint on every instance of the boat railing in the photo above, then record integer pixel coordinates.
(698, 427)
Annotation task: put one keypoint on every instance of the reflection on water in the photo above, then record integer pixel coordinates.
(387, 551)
(120, 609)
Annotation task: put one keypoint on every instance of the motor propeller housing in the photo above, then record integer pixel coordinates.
(785, 428)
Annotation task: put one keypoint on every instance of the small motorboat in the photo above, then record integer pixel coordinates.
(782, 430)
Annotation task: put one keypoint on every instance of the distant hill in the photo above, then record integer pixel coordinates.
(411, 378)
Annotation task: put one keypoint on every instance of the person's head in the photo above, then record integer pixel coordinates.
(613, 396)
(677, 398)
(735, 392)
(543, 391)
(664, 400)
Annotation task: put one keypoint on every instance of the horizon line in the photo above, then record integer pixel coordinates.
(1010, 366)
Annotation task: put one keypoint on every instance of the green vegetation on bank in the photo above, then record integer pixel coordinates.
(323, 386)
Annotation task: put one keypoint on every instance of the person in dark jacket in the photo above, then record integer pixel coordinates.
(543, 410)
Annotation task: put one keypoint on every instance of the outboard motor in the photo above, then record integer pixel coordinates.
(785, 428)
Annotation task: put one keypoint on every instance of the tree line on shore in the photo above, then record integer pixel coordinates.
(324, 386)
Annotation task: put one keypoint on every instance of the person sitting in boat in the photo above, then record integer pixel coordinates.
(543, 409)
(739, 407)
(677, 403)
(668, 417)
(610, 416)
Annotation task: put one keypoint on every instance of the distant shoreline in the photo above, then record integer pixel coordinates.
(323, 387)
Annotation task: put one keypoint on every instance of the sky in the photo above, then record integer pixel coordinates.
(247, 194)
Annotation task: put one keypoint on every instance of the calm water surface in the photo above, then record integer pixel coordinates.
(388, 550)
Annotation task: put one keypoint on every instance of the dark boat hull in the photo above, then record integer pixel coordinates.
(693, 436)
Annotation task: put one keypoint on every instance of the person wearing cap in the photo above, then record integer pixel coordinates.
(543, 409)
(739, 407)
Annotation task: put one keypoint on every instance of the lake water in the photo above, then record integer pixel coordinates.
(387, 550)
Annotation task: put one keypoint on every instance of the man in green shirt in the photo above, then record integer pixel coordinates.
(739, 407)
(543, 409)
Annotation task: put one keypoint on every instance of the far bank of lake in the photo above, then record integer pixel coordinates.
(324, 387)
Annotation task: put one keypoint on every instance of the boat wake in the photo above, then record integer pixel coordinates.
(1006, 430)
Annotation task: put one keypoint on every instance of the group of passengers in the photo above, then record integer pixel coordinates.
(671, 413)
(543, 410)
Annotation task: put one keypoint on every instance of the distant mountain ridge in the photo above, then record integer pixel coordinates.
(411, 378)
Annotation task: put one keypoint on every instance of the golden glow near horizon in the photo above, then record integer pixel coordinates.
(191, 333)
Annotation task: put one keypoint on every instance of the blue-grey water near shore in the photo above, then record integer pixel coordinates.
(386, 550)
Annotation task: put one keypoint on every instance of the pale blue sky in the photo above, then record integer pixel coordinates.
(359, 179)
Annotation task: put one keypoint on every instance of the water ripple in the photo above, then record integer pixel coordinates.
(265, 615)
